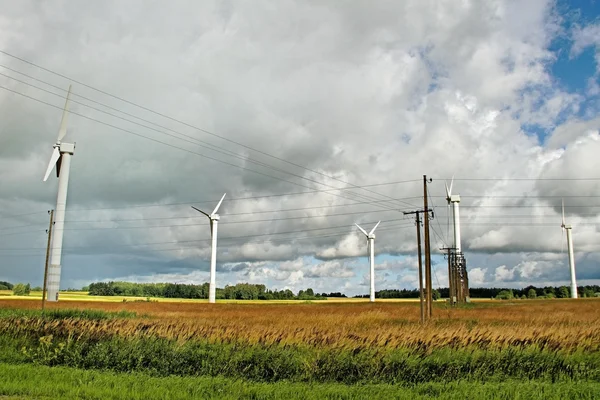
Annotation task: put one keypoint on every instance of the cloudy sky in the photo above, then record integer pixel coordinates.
(311, 116)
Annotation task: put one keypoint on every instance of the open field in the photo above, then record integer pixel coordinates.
(84, 296)
(335, 346)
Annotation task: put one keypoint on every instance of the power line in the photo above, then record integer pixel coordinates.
(186, 124)
(189, 244)
(190, 151)
(235, 214)
(437, 220)
(187, 203)
(222, 223)
(21, 233)
(223, 238)
(523, 179)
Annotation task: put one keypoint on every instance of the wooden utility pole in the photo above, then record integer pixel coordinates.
(47, 258)
(420, 267)
(428, 288)
(418, 223)
(451, 275)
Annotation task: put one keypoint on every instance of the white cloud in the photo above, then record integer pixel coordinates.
(366, 93)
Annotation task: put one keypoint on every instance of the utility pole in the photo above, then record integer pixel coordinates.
(418, 223)
(51, 212)
(451, 275)
(428, 285)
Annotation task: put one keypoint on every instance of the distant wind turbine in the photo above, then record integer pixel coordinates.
(455, 201)
(371, 252)
(214, 223)
(571, 255)
(61, 158)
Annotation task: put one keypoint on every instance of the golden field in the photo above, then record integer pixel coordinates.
(545, 324)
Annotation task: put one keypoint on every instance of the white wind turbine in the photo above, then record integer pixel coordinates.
(61, 158)
(571, 255)
(214, 223)
(371, 252)
(455, 201)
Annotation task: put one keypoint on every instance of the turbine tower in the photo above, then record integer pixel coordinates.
(61, 158)
(458, 280)
(571, 255)
(371, 253)
(214, 223)
(454, 200)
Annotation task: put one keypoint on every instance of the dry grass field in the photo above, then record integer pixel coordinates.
(347, 349)
(548, 324)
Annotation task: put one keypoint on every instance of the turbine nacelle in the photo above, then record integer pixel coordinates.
(450, 198)
(370, 235)
(60, 148)
(212, 216)
(563, 223)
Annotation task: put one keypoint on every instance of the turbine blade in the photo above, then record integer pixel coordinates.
(219, 205)
(53, 159)
(375, 227)
(211, 228)
(563, 212)
(369, 250)
(197, 209)
(58, 165)
(451, 184)
(63, 123)
(448, 192)
(362, 230)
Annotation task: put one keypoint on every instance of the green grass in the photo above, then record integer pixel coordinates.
(65, 313)
(274, 363)
(32, 381)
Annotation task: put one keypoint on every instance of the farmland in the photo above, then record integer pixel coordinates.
(489, 348)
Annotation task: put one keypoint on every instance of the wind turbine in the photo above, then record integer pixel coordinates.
(570, 249)
(61, 158)
(454, 200)
(214, 223)
(371, 252)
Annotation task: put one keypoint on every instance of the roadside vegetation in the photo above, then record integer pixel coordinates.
(326, 347)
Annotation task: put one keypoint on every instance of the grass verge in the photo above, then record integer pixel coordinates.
(33, 381)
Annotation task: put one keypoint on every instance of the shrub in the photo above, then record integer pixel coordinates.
(21, 289)
(505, 295)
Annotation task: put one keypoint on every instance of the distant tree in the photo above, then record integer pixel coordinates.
(564, 292)
(3, 287)
(37, 289)
(7, 284)
(435, 294)
(531, 293)
(587, 292)
(523, 297)
(21, 289)
(505, 295)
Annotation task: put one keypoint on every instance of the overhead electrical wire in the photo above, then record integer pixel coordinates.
(225, 238)
(181, 122)
(190, 151)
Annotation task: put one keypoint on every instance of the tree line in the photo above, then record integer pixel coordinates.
(247, 291)
(499, 293)
(240, 291)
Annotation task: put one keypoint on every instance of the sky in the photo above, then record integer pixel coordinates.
(311, 116)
